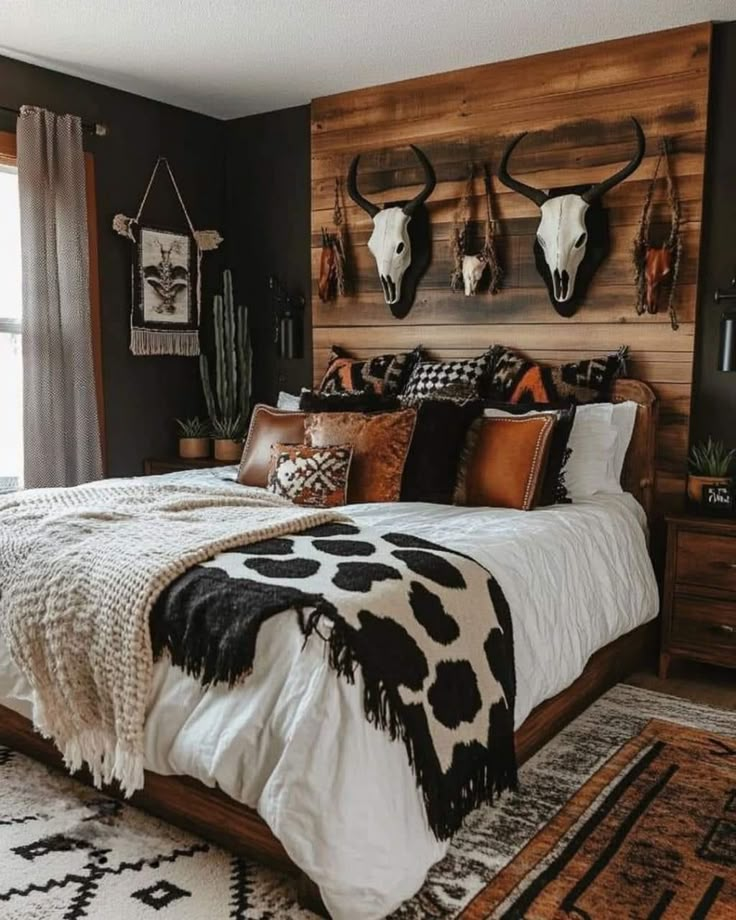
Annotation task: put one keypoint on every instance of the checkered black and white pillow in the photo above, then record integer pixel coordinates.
(461, 378)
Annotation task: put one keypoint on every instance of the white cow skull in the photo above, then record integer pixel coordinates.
(562, 233)
(473, 268)
(389, 243)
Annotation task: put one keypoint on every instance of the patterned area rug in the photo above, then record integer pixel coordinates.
(629, 812)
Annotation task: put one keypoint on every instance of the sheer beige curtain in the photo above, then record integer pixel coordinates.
(60, 422)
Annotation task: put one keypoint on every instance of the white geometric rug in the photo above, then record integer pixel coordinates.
(67, 852)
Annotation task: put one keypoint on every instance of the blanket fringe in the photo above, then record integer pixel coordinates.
(480, 773)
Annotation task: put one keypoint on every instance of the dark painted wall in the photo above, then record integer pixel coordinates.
(268, 229)
(714, 405)
(142, 395)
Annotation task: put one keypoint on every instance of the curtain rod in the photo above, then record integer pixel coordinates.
(89, 127)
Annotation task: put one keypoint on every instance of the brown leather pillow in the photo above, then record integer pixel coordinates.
(268, 426)
(380, 445)
(505, 463)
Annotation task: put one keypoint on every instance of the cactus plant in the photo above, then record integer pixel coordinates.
(710, 458)
(228, 404)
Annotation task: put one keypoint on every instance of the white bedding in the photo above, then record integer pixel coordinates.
(292, 740)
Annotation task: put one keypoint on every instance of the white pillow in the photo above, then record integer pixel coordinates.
(624, 417)
(592, 444)
(287, 401)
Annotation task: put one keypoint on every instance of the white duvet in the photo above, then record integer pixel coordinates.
(292, 740)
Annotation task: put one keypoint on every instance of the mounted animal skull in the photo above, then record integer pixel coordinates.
(563, 231)
(390, 243)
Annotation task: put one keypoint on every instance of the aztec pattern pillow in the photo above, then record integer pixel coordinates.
(517, 380)
(381, 374)
(460, 379)
(310, 475)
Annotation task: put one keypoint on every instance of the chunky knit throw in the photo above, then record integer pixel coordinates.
(80, 570)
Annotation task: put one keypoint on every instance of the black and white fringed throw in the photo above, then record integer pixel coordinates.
(429, 629)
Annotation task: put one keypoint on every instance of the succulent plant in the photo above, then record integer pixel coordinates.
(195, 427)
(710, 458)
(228, 405)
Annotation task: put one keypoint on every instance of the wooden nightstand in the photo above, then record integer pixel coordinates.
(153, 466)
(699, 610)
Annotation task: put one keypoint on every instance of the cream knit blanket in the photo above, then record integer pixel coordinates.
(80, 570)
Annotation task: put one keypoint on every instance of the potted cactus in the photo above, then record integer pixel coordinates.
(194, 438)
(708, 464)
(228, 403)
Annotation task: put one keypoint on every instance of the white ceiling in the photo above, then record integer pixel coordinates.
(235, 57)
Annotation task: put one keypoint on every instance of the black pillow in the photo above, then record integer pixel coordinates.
(553, 491)
(367, 401)
(431, 466)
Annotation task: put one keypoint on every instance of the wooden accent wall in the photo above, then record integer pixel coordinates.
(575, 104)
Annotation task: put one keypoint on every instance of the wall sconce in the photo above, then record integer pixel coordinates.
(727, 340)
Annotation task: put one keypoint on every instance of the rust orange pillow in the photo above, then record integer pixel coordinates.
(380, 445)
(505, 462)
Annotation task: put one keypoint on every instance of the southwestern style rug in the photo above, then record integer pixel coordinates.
(630, 812)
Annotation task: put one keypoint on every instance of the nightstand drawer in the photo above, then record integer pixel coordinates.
(704, 622)
(706, 559)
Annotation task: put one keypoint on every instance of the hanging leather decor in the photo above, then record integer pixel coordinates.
(469, 268)
(166, 279)
(331, 283)
(658, 267)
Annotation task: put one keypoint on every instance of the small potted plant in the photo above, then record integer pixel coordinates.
(708, 464)
(228, 400)
(194, 438)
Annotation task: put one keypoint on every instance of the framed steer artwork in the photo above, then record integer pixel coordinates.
(166, 279)
(165, 270)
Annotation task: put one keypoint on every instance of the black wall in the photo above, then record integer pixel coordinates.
(268, 231)
(142, 395)
(714, 401)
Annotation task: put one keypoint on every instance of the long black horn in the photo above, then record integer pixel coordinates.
(600, 188)
(352, 185)
(528, 191)
(430, 180)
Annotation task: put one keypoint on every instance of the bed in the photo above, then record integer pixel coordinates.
(259, 768)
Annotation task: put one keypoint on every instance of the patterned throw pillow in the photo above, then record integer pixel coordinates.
(310, 475)
(382, 374)
(461, 379)
(515, 379)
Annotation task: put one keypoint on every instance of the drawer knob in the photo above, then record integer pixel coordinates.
(724, 628)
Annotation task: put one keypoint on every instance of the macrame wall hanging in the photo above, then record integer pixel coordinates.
(166, 279)
(331, 283)
(657, 268)
(469, 269)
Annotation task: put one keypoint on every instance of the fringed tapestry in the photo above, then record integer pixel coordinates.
(166, 279)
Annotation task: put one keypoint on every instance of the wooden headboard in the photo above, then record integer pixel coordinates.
(575, 105)
(638, 475)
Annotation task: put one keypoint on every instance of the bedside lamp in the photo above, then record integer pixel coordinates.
(727, 341)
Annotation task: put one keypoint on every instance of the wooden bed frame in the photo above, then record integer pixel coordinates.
(213, 815)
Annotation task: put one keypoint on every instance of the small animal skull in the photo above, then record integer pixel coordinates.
(473, 268)
(658, 265)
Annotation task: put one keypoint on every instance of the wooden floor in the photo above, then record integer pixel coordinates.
(692, 681)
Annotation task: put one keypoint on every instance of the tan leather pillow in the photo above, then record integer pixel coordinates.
(380, 444)
(268, 426)
(506, 461)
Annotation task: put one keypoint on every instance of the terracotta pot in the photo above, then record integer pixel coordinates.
(695, 485)
(229, 451)
(194, 448)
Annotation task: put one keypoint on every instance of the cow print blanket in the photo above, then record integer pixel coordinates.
(428, 628)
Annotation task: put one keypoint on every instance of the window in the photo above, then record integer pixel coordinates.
(11, 373)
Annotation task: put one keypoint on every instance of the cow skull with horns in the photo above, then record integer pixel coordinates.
(390, 243)
(562, 234)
